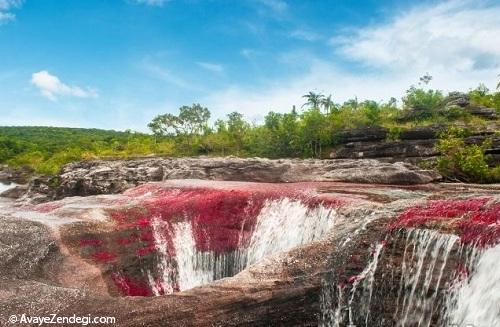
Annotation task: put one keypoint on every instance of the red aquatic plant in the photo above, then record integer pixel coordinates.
(103, 257)
(130, 287)
(220, 218)
(90, 242)
(476, 221)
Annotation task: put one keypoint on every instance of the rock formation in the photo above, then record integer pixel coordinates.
(206, 253)
(411, 145)
(114, 176)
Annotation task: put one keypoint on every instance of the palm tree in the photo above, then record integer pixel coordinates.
(314, 100)
(327, 103)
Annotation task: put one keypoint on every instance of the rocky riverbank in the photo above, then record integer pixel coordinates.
(308, 253)
(409, 145)
(115, 176)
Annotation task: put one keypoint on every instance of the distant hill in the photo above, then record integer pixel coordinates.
(56, 138)
(45, 149)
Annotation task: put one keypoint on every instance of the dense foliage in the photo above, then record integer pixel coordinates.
(46, 149)
(464, 162)
(311, 131)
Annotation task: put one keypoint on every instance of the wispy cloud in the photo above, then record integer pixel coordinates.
(51, 87)
(305, 35)
(165, 75)
(249, 54)
(216, 68)
(154, 3)
(278, 6)
(455, 41)
(456, 35)
(6, 7)
(9, 4)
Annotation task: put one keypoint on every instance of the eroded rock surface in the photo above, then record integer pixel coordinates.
(120, 255)
(410, 145)
(115, 176)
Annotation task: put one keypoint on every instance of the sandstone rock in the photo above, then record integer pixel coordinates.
(103, 177)
(397, 150)
(362, 134)
(24, 247)
(456, 99)
(422, 133)
(483, 112)
(298, 287)
(15, 193)
(14, 175)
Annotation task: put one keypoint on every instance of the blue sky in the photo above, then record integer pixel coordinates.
(116, 64)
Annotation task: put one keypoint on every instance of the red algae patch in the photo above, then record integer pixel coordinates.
(103, 256)
(48, 207)
(222, 216)
(476, 221)
(221, 219)
(130, 287)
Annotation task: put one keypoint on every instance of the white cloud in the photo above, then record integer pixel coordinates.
(5, 7)
(9, 4)
(6, 17)
(155, 3)
(457, 35)
(305, 35)
(249, 54)
(165, 75)
(216, 68)
(456, 42)
(278, 6)
(51, 87)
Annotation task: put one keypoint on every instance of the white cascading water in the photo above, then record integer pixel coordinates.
(476, 302)
(165, 265)
(189, 273)
(5, 187)
(366, 279)
(414, 306)
(284, 224)
(281, 225)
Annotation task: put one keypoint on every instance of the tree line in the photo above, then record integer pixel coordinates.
(310, 131)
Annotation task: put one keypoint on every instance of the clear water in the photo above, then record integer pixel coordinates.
(281, 225)
(4, 187)
(476, 301)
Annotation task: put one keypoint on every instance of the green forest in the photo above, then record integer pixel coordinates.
(307, 131)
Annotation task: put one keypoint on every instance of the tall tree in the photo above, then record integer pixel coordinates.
(194, 118)
(328, 104)
(314, 100)
(237, 127)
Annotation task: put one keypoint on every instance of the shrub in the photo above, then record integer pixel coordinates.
(467, 163)
(421, 104)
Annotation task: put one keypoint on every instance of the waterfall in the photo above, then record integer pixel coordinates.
(281, 225)
(366, 278)
(422, 267)
(186, 255)
(166, 266)
(4, 187)
(476, 301)
(332, 311)
(284, 224)
(415, 307)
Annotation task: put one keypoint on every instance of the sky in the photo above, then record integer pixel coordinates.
(116, 64)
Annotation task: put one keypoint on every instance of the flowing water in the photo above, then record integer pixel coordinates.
(4, 187)
(415, 306)
(476, 300)
(281, 225)
(425, 297)
(284, 224)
